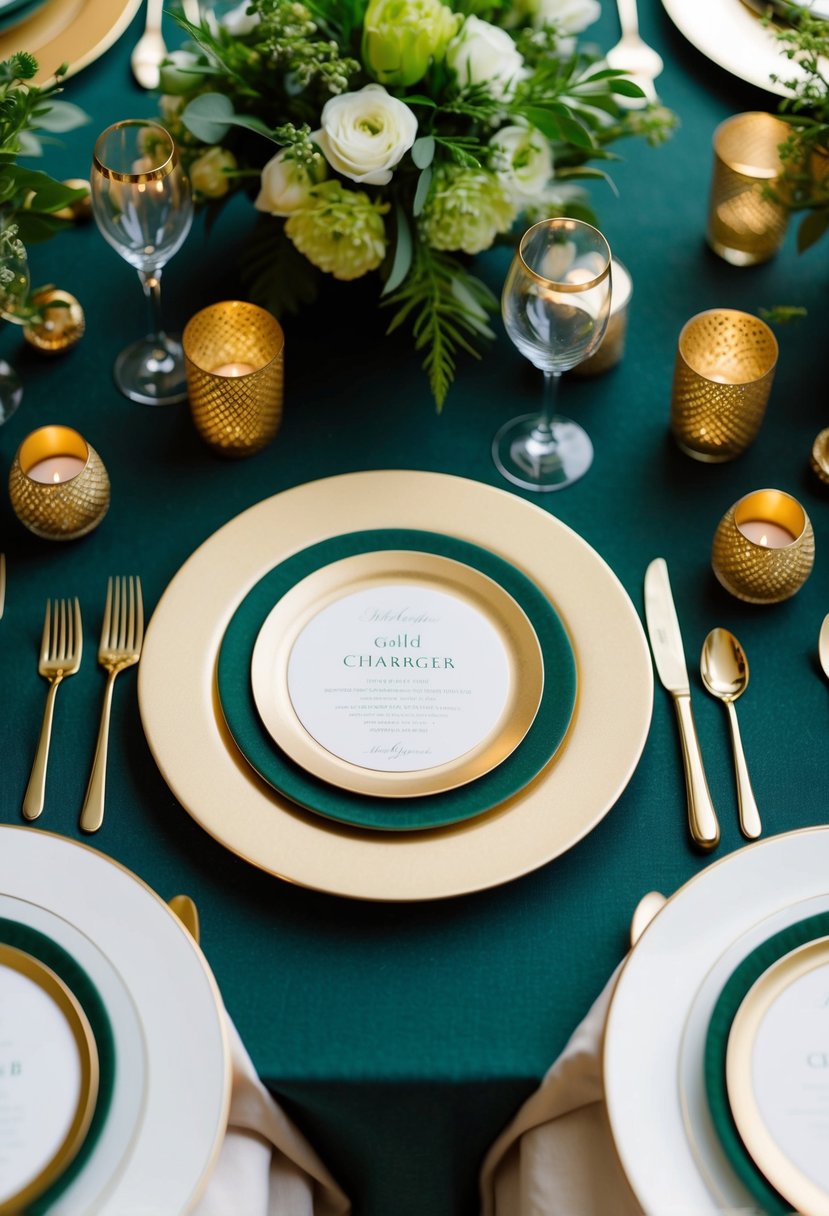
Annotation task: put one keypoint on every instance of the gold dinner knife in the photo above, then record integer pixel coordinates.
(669, 657)
(823, 646)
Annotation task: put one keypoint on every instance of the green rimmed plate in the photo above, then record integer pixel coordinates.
(389, 814)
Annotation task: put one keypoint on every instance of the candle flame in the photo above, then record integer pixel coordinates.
(56, 478)
(764, 540)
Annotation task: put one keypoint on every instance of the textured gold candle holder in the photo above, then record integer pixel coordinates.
(61, 510)
(79, 212)
(612, 346)
(745, 226)
(722, 379)
(820, 456)
(63, 323)
(239, 412)
(754, 571)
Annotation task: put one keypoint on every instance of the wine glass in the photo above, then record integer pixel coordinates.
(555, 305)
(143, 207)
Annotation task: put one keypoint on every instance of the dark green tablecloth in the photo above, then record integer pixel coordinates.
(403, 1038)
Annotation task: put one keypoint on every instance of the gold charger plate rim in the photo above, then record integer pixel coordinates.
(312, 594)
(185, 730)
(73, 1014)
(773, 1162)
(75, 32)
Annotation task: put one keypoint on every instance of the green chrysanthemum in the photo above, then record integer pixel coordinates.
(466, 209)
(341, 231)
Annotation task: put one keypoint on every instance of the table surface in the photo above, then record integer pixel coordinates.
(402, 1038)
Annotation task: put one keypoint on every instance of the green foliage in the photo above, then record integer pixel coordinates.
(782, 314)
(277, 276)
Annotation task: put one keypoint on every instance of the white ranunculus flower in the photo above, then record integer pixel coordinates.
(366, 134)
(482, 53)
(568, 16)
(523, 162)
(286, 185)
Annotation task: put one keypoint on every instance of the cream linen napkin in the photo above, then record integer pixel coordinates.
(266, 1167)
(556, 1158)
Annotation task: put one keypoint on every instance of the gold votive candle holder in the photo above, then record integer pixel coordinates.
(62, 323)
(745, 224)
(234, 358)
(820, 456)
(612, 346)
(764, 547)
(58, 485)
(723, 375)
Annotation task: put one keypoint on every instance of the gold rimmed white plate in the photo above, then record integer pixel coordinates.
(776, 1062)
(75, 32)
(44, 1028)
(182, 716)
(397, 673)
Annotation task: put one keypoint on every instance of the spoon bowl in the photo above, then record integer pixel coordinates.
(724, 670)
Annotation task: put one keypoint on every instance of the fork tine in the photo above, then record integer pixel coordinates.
(130, 641)
(139, 624)
(45, 639)
(78, 636)
(107, 616)
(122, 630)
(55, 634)
(61, 647)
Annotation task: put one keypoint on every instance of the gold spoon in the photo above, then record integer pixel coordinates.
(724, 670)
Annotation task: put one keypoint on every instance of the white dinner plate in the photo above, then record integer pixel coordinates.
(172, 1089)
(657, 988)
(185, 729)
(731, 34)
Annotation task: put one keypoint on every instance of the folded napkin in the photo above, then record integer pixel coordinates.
(556, 1157)
(266, 1167)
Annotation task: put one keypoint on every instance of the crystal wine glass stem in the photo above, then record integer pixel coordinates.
(544, 427)
(151, 282)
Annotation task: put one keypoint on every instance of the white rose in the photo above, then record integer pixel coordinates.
(484, 54)
(366, 134)
(286, 185)
(568, 16)
(239, 21)
(523, 162)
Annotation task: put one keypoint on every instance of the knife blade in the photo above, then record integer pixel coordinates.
(669, 657)
(823, 646)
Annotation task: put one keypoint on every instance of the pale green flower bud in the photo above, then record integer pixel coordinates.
(466, 209)
(173, 78)
(341, 231)
(401, 38)
(208, 173)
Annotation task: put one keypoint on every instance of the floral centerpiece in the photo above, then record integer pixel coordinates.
(399, 137)
(30, 200)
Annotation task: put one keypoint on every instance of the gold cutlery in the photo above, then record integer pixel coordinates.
(187, 912)
(122, 636)
(823, 646)
(150, 50)
(632, 54)
(2, 583)
(669, 656)
(724, 671)
(643, 914)
(61, 649)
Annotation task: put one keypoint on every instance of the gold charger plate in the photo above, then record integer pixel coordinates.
(185, 729)
(67, 1005)
(786, 1176)
(375, 572)
(76, 32)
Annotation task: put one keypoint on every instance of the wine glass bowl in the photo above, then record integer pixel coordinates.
(555, 305)
(143, 207)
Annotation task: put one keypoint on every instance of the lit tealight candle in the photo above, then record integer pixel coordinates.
(56, 469)
(764, 532)
(234, 369)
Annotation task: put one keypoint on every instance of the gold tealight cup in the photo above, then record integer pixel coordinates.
(745, 224)
(234, 358)
(58, 485)
(764, 547)
(612, 346)
(723, 375)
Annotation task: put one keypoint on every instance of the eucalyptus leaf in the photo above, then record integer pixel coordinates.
(60, 116)
(208, 117)
(402, 253)
(422, 191)
(423, 151)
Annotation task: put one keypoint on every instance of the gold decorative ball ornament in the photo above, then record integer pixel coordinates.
(79, 212)
(820, 456)
(62, 323)
(58, 486)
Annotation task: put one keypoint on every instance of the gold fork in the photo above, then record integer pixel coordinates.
(122, 636)
(61, 648)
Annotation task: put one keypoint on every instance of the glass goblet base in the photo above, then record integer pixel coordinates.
(152, 371)
(535, 458)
